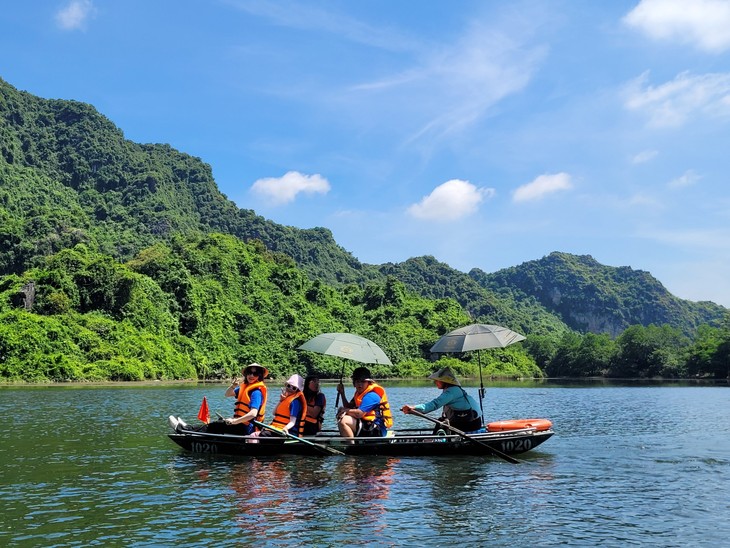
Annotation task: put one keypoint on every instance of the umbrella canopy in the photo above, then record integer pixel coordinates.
(347, 345)
(476, 337)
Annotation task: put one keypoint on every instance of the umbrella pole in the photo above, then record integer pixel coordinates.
(337, 400)
(481, 386)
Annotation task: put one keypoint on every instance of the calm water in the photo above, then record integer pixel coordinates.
(629, 465)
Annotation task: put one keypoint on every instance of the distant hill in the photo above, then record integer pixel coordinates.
(591, 297)
(68, 176)
(497, 305)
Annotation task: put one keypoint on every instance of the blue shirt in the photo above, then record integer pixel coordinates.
(295, 410)
(454, 397)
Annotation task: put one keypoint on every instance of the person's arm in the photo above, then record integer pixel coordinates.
(232, 391)
(351, 410)
(369, 402)
(345, 402)
(445, 398)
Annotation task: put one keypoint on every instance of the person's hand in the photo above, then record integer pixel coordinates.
(407, 409)
(341, 390)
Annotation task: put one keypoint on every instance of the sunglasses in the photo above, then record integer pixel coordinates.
(290, 387)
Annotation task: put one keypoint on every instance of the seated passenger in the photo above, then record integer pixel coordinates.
(368, 413)
(316, 404)
(250, 405)
(289, 414)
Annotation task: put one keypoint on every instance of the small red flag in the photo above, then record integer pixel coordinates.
(204, 413)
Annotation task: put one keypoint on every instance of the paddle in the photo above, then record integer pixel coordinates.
(466, 436)
(317, 446)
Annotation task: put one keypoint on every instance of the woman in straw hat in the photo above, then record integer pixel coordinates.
(250, 394)
(460, 410)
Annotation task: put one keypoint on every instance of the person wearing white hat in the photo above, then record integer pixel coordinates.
(460, 409)
(292, 409)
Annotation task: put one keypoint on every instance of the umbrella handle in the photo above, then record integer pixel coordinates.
(337, 400)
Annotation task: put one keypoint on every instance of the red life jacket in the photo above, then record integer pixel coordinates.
(383, 410)
(243, 403)
(282, 412)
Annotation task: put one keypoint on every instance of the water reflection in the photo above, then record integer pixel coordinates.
(273, 497)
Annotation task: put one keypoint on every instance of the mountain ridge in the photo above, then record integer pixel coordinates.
(67, 164)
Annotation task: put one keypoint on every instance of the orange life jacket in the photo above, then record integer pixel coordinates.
(243, 403)
(319, 418)
(282, 412)
(384, 408)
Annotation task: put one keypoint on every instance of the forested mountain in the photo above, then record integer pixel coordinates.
(98, 232)
(69, 176)
(594, 298)
(433, 279)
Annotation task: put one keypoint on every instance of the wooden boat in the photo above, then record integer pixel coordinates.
(409, 442)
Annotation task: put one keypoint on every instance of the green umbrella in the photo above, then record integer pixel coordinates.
(476, 337)
(346, 345)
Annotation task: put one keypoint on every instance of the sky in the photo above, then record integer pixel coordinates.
(484, 133)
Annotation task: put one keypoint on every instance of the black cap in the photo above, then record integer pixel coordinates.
(361, 374)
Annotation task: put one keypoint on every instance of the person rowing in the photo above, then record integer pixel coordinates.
(460, 410)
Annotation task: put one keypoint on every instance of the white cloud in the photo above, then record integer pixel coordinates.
(75, 14)
(717, 239)
(644, 156)
(702, 23)
(542, 186)
(643, 201)
(689, 178)
(450, 201)
(282, 190)
(448, 87)
(673, 103)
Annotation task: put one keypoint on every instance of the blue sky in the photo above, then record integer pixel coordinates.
(485, 133)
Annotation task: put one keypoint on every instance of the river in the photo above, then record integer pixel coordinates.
(629, 465)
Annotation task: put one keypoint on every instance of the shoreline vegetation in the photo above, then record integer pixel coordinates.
(468, 382)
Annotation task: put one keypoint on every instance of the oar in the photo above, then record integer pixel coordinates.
(317, 446)
(466, 436)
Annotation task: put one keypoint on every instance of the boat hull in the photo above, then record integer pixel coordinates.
(402, 444)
